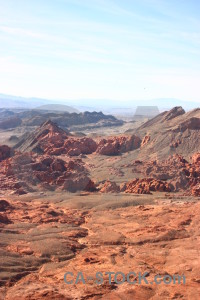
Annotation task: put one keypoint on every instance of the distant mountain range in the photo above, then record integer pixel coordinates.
(7, 101)
(104, 105)
(129, 107)
(58, 108)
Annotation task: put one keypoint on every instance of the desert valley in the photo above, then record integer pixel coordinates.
(88, 192)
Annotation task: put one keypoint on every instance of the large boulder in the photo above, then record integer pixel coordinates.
(109, 187)
(79, 183)
(4, 205)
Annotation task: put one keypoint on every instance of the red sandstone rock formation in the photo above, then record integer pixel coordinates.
(23, 172)
(196, 158)
(196, 190)
(52, 140)
(109, 187)
(145, 186)
(176, 171)
(145, 140)
(175, 144)
(72, 147)
(118, 145)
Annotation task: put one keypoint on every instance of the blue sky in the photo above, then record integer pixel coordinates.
(100, 49)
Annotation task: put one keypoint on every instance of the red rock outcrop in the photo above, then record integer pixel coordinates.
(52, 140)
(145, 186)
(175, 144)
(5, 152)
(145, 140)
(72, 147)
(176, 171)
(196, 190)
(109, 187)
(23, 172)
(118, 145)
(46, 134)
(196, 158)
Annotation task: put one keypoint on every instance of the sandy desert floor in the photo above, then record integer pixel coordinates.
(47, 235)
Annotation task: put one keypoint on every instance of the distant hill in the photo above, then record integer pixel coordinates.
(171, 132)
(58, 108)
(147, 111)
(12, 118)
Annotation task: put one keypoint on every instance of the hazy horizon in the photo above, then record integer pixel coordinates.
(104, 105)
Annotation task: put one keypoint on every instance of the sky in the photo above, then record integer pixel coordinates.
(100, 49)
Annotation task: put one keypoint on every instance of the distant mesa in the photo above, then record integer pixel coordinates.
(58, 108)
(147, 111)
